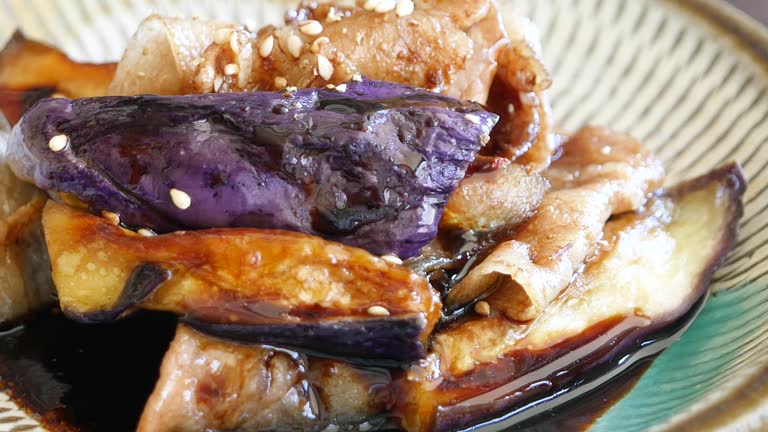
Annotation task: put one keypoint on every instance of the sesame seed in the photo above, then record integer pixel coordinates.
(378, 311)
(197, 61)
(222, 35)
(404, 8)
(365, 427)
(234, 43)
(141, 74)
(324, 67)
(358, 37)
(280, 82)
(333, 15)
(385, 6)
(606, 150)
(330, 86)
(371, 4)
(482, 308)
(58, 143)
(291, 89)
(267, 45)
(145, 52)
(472, 118)
(357, 77)
(315, 48)
(311, 28)
(231, 69)
(484, 138)
(180, 199)
(146, 232)
(217, 82)
(341, 88)
(394, 259)
(511, 109)
(112, 217)
(294, 45)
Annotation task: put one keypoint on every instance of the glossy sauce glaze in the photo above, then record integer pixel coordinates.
(84, 377)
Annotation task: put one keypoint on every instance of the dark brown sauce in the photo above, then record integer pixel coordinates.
(84, 377)
(88, 378)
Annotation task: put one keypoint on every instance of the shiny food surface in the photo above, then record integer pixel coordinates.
(370, 167)
(270, 286)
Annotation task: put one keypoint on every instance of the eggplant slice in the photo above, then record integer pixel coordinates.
(265, 286)
(30, 71)
(371, 167)
(208, 384)
(652, 267)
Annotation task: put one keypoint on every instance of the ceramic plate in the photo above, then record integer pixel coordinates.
(688, 78)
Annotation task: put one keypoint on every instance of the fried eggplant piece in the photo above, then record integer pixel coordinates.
(25, 281)
(208, 384)
(653, 266)
(251, 285)
(30, 71)
(371, 167)
(599, 174)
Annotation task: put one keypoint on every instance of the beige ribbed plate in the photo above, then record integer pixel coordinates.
(689, 78)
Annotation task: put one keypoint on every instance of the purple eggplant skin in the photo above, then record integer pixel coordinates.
(386, 342)
(371, 167)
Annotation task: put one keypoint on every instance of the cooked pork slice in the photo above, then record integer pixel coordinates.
(208, 384)
(600, 173)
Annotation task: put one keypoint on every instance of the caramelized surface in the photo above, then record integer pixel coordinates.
(242, 277)
(206, 384)
(30, 70)
(653, 265)
(599, 174)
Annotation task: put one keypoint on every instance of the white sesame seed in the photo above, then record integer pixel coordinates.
(311, 28)
(112, 217)
(141, 74)
(473, 118)
(330, 86)
(291, 89)
(394, 259)
(357, 77)
(222, 35)
(315, 48)
(484, 139)
(404, 8)
(180, 199)
(385, 6)
(341, 88)
(197, 61)
(280, 82)
(606, 150)
(333, 15)
(234, 43)
(371, 4)
(146, 232)
(217, 82)
(294, 45)
(267, 45)
(58, 142)
(324, 67)
(378, 311)
(231, 69)
(482, 308)
(511, 109)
